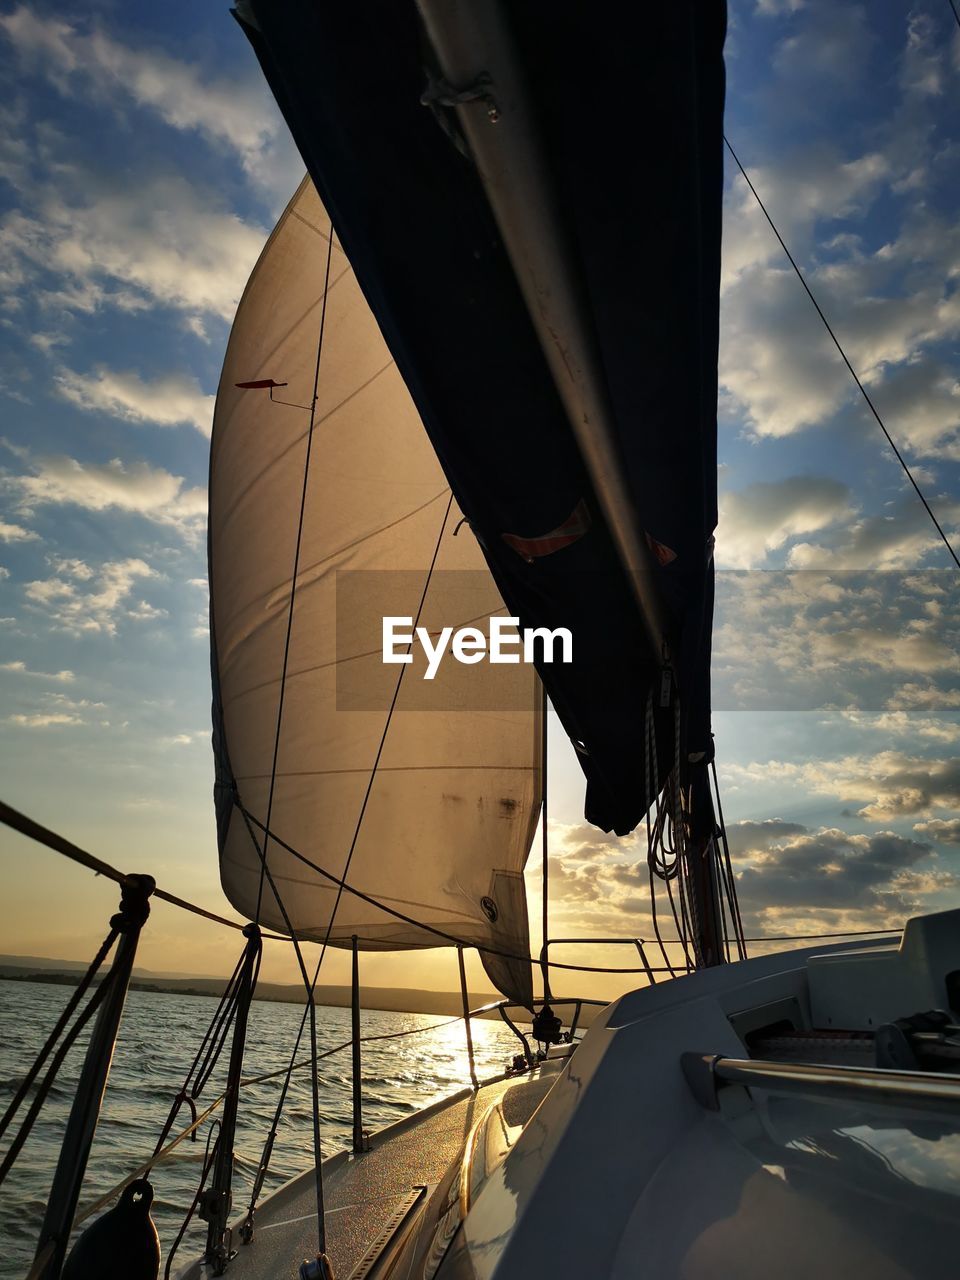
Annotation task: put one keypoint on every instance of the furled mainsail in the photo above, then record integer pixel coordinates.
(627, 103)
(443, 835)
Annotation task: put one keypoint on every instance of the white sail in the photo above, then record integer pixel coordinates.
(452, 808)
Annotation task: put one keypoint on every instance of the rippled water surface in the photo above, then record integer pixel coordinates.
(158, 1039)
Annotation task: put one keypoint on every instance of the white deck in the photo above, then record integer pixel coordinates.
(361, 1193)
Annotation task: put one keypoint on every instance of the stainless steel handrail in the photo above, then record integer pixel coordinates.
(708, 1074)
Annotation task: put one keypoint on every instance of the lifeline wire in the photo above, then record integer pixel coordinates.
(19, 822)
(11, 818)
(843, 355)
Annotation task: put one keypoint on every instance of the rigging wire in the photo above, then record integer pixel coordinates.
(46, 1084)
(296, 566)
(209, 1156)
(341, 884)
(48, 1046)
(422, 924)
(19, 822)
(94, 1206)
(956, 11)
(383, 740)
(309, 1014)
(10, 817)
(545, 844)
(843, 355)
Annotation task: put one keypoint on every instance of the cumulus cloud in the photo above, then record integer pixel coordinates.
(928, 696)
(922, 68)
(810, 184)
(884, 641)
(749, 834)
(237, 113)
(833, 879)
(887, 785)
(16, 533)
(44, 720)
(892, 301)
(134, 487)
(168, 401)
(781, 370)
(830, 50)
(60, 710)
(790, 879)
(763, 516)
(897, 539)
(21, 668)
(94, 603)
(186, 739)
(132, 246)
(902, 724)
(940, 830)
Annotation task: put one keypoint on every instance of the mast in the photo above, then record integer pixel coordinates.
(485, 85)
(474, 48)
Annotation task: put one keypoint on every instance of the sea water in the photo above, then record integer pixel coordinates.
(158, 1039)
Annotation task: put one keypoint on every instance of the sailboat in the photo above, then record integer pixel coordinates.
(474, 376)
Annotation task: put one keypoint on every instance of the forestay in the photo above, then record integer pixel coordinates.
(453, 804)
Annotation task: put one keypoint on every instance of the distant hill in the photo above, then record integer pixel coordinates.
(42, 969)
(38, 963)
(396, 1000)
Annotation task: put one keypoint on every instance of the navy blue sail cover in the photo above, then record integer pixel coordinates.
(629, 101)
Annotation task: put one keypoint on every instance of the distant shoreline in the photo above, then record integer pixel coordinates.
(384, 999)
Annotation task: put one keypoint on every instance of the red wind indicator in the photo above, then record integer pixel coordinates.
(259, 384)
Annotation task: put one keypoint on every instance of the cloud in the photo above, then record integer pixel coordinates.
(93, 604)
(884, 641)
(201, 626)
(897, 539)
(59, 711)
(21, 668)
(236, 112)
(44, 720)
(887, 785)
(136, 487)
(790, 879)
(162, 241)
(829, 51)
(921, 401)
(939, 830)
(808, 185)
(902, 724)
(186, 739)
(16, 533)
(168, 401)
(752, 835)
(769, 8)
(834, 879)
(922, 69)
(763, 516)
(779, 368)
(929, 696)
(864, 226)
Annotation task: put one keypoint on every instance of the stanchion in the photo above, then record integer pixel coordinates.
(358, 1141)
(466, 1018)
(216, 1200)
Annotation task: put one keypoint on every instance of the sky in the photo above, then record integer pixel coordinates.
(143, 164)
